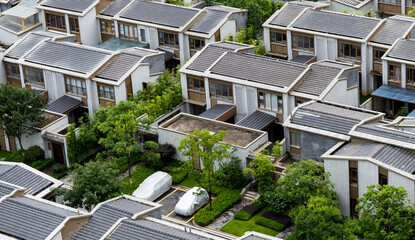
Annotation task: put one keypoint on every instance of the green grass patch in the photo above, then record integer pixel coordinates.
(137, 176)
(363, 98)
(4, 154)
(291, 237)
(243, 215)
(42, 164)
(239, 227)
(189, 182)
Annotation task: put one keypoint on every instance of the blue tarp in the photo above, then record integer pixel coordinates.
(395, 93)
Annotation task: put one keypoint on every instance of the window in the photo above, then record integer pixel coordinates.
(410, 3)
(73, 24)
(169, 39)
(410, 76)
(349, 51)
(270, 101)
(278, 37)
(143, 35)
(75, 86)
(395, 2)
(106, 92)
(353, 177)
(377, 55)
(305, 43)
(55, 21)
(383, 176)
(196, 44)
(196, 84)
(394, 73)
(128, 31)
(107, 27)
(12, 70)
(298, 102)
(33, 77)
(295, 139)
(221, 90)
(353, 204)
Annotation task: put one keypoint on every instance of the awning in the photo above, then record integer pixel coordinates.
(412, 114)
(63, 104)
(395, 93)
(220, 112)
(168, 53)
(257, 120)
(25, 9)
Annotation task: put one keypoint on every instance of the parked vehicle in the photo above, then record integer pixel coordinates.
(191, 201)
(154, 186)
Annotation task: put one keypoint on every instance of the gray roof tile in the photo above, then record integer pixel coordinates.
(351, 2)
(10, 25)
(287, 14)
(208, 21)
(257, 120)
(115, 7)
(19, 176)
(302, 58)
(404, 49)
(216, 111)
(27, 218)
(243, 66)
(158, 13)
(149, 230)
(119, 66)
(336, 23)
(373, 129)
(63, 104)
(209, 55)
(6, 189)
(72, 57)
(74, 5)
(25, 45)
(392, 29)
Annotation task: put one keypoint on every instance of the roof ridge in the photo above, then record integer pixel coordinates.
(265, 59)
(37, 208)
(8, 170)
(343, 14)
(78, 46)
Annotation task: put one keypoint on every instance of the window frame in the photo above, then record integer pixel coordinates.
(162, 39)
(132, 31)
(191, 84)
(213, 94)
(69, 88)
(279, 108)
(73, 24)
(341, 50)
(274, 39)
(49, 17)
(108, 25)
(192, 46)
(410, 80)
(397, 2)
(376, 51)
(295, 43)
(27, 77)
(295, 142)
(10, 74)
(101, 94)
(392, 76)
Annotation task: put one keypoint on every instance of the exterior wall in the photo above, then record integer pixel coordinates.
(313, 145)
(229, 28)
(120, 93)
(367, 174)
(3, 77)
(184, 48)
(92, 91)
(54, 84)
(156, 64)
(8, 37)
(139, 76)
(340, 94)
(153, 39)
(325, 48)
(240, 20)
(339, 175)
(267, 40)
(88, 29)
(395, 179)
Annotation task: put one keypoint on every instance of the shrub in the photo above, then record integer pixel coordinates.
(59, 168)
(151, 157)
(230, 175)
(260, 203)
(274, 199)
(166, 151)
(178, 174)
(220, 204)
(283, 219)
(252, 209)
(243, 215)
(59, 175)
(15, 157)
(33, 154)
(137, 176)
(42, 164)
(266, 222)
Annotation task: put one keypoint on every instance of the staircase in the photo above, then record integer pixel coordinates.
(251, 195)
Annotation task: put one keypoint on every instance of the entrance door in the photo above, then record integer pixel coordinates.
(12, 144)
(196, 164)
(58, 153)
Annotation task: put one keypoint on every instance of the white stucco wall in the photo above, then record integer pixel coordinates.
(92, 91)
(395, 179)
(88, 28)
(339, 175)
(3, 78)
(340, 94)
(229, 28)
(120, 93)
(54, 84)
(368, 174)
(140, 75)
(267, 40)
(153, 38)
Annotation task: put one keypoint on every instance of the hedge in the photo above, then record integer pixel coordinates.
(285, 220)
(42, 164)
(137, 177)
(59, 175)
(220, 204)
(177, 173)
(252, 209)
(266, 222)
(243, 215)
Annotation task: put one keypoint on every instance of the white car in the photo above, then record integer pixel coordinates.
(191, 201)
(154, 186)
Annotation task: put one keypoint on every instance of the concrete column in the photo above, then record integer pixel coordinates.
(117, 35)
(289, 45)
(403, 75)
(365, 87)
(207, 93)
(385, 72)
(22, 75)
(68, 29)
(267, 40)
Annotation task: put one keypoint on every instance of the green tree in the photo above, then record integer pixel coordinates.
(93, 183)
(120, 128)
(263, 170)
(302, 180)
(21, 111)
(384, 214)
(411, 12)
(207, 148)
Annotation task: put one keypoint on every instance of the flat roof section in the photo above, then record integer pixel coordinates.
(395, 93)
(237, 136)
(115, 44)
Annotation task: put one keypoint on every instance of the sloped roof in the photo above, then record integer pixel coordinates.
(272, 72)
(10, 25)
(354, 3)
(74, 5)
(257, 120)
(209, 21)
(119, 66)
(209, 55)
(150, 230)
(392, 29)
(24, 9)
(302, 58)
(67, 56)
(6, 189)
(115, 7)
(106, 216)
(404, 49)
(373, 129)
(159, 13)
(287, 14)
(63, 104)
(216, 111)
(28, 218)
(336, 23)
(26, 44)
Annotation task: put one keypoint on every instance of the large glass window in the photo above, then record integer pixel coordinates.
(305, 43)
(295, 139)
(221, 90)
(278, 37)
(169, 39)
(12, 70)
(377, 55)
(395, 2)
(107, 27)
(143, 35)
(128, 31)
(33, 77)
(196, 44)
(107, 92)
(270, 101)
(394, 73)
(73, 24)
(56, 21)
(75, 86)
(349, 51)
(196, 84)
(410, 76)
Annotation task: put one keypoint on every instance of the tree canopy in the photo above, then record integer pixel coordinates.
(263, 170)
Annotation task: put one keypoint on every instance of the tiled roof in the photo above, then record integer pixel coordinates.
(25, 45)
(115, 7)
(158, 13)
(350, 2)
(374, 130)
(10, 25)
(318, 79)
(22, 177)
(208, 21)
(63, 104)
(72, 57)
(6, 189)
(106, 216)
(257, 120)
(207, 58)
(216, 111)
(392, 29)
(119, 66)
(404, 49)
(302, 58)
(336, 23)
(26, 218)
(168, 53)
(328, 117)
(73, 5)
(287, 14)
(149, 230)
(272, 72)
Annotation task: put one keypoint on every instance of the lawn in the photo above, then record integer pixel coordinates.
(189, 182)
(4, 154)
(239, 227)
